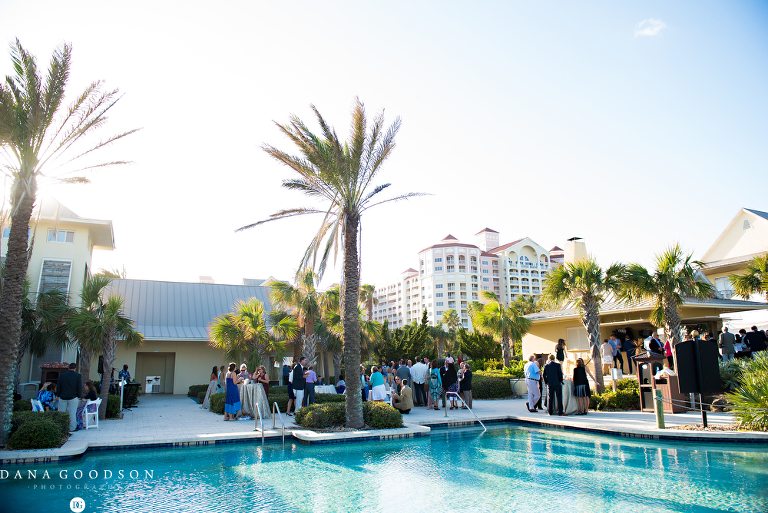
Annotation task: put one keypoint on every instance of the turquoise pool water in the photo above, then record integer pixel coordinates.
(509, 468)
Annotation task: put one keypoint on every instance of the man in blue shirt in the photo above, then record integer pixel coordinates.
(618, 361)
(532, 377)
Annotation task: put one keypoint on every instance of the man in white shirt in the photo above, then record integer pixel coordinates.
(418, 376)
(532, 377)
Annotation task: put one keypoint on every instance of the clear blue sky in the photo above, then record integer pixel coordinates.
(630, 124)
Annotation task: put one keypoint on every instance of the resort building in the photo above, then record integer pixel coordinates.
(62, 249)
(452, 274)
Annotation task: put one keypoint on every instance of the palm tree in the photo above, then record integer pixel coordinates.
(303, 302)
(99, 322)
(342, 174)
(585, 284)
(526, 305)
(451, 319)
(248, 332)
(673, 280)
(441, 335)
(501, 321)
(754, 280)
(35, 134)
(368, 298)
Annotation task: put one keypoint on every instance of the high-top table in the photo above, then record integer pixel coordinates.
(570, 404)
(251, 395)
(325, 389)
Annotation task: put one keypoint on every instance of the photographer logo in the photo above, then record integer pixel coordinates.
(77, 505)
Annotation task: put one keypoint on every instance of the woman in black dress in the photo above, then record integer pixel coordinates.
(581, 387)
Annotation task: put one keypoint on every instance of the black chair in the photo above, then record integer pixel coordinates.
(131, 395)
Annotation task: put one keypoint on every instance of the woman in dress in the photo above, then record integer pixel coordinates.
(581, 387)
(668, 354)
(212, 385)
(379, 391)
(435, 386)
(232, 401)
(222, 384)
(244, 374)
(47, 395)
(451, 383)
(560, 351)
(90, 395)
(261, 377)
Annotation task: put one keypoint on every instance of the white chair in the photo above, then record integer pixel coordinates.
(36, 405)
(92, 414)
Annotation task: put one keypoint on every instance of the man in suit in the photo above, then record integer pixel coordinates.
(70, 386)
(553, 377)
(726, 342)
(404, 400)
(299, 381)
(756, 340)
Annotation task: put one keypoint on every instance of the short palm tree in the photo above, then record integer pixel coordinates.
(500, 321)
(37, 135)
(585, 284)
(100, 322)
(303, 301)
(673, 280)
(341, 174)
(754, 280)
(451, 319)
(440, 333)
(368, 298)
(248, 332)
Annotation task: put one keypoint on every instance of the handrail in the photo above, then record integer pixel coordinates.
(448, 394)
(260, 419)
(276, 407)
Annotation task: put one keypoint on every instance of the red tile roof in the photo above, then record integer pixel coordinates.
(486, 230)
(556, 248)
(455, 244)
(505, 246)
(450, 237)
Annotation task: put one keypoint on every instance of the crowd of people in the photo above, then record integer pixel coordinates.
(72, 396)
(426, 383)
(537, 375)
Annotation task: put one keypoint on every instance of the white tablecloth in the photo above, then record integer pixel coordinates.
(250, 395)
(325, 389)
(570, 405)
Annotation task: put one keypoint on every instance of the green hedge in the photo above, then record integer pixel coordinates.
(627, 384)
(375, 415)
(217, 403)
(40, 433)
(195, 390)
(22, 405)
(490, 387)
(113, 406)
(201, 397)
(60, 419)
(620, 400)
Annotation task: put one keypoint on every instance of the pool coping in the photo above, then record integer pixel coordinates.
(76, 449)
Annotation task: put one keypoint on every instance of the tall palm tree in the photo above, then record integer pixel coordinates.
(36, 134)
(673, 280)
(526, 305)
(754, 280)
(342, 174)
(500, 321)
(440, 335)
(100, 322)
(451, 319)
(368, 298)
(248, 332)
(585, 284)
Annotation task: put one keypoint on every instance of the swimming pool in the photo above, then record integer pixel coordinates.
(509, 468)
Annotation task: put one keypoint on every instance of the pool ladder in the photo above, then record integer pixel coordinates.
(260, 420)
(448, 394)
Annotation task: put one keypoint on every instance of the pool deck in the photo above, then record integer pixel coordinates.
(177, 421)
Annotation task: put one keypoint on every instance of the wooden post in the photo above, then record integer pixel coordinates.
(658, 408)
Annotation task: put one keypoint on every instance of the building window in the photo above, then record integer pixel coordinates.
(486, 280)
(439, 312)
(485, 288)
(485, 271)
(438, 259)
(439, 286)
(55, 275)
(485, 262)
(438, 268)
(450, 269)
(439, 303)
(60, 235)
(438, 294)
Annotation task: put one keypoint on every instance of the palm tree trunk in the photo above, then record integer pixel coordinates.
(505, 349)
(85, 363)
(10, 303)
(110, 346)
(351, 323)
(590, 318)
(338, 355)
(672, 327)
(440, 343)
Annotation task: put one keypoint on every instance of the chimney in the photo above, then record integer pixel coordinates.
(575, 250)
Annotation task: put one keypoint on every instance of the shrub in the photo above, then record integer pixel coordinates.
(490, 387)
(750, 400)
(22, 405)
(60, 419)
(217, 403)
(620, 400)
(278, 390)
(201, 397)
(40, 433)
(321, 415)
(382, 415)
(194, 390)
(330, 398)
(627, 384)
(280, 399)
(113, 407)
(730, 374)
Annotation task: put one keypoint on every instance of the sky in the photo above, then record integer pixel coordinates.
(630, 124)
